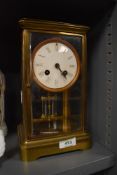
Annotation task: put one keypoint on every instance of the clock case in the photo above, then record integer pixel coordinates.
(33, 144)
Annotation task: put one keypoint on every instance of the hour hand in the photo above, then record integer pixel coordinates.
(64, 73)
(57, 66)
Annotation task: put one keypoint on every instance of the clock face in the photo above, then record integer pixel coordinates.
(56, 64)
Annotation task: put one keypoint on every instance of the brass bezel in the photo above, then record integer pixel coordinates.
(59, 40)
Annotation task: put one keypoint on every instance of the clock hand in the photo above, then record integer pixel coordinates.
(64, 73)
(57, 66)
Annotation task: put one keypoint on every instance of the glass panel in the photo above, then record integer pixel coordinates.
(47, 109)
(75, 106)
(55, 113)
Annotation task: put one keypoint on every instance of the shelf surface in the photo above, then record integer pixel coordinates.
(73, 163)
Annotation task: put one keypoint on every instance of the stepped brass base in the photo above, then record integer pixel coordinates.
(33, 149)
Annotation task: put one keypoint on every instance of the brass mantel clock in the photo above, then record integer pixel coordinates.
(53, 89)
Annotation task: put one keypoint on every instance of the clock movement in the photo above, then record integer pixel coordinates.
(54, 89)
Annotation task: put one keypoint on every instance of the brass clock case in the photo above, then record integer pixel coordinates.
(54, 120)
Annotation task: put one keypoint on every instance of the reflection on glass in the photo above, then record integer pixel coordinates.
(63, 48)
(49, 106)
(48, 111)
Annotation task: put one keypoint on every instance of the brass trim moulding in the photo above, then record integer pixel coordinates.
(45, 25)
(31, 150)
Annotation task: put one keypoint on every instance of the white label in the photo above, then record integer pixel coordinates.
(67, 143)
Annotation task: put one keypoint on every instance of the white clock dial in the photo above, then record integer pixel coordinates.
(56, 64)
